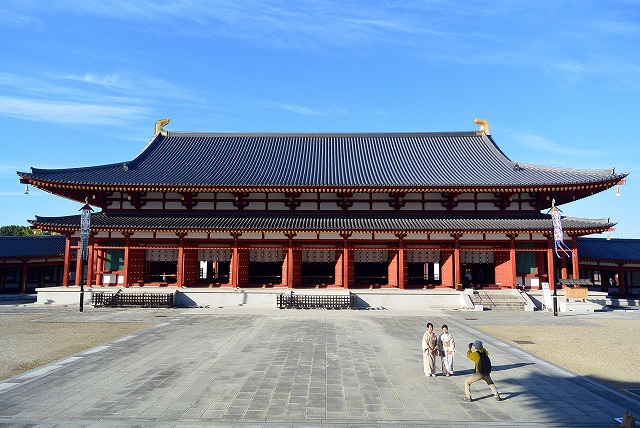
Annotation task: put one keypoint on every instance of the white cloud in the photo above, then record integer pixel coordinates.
(549, 152)
(89, 98)
(126, 83)
(305, 111)
(67, 112)
(267, 22)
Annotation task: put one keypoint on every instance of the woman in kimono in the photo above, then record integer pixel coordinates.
(429, 351)
(447, 347)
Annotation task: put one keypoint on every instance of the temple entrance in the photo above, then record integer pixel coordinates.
(161, 266)
(161, 271)
(477, 268)
(265, 272)
(318, 273)
(265, 266)
(423, 267)
(371, 267)
(424, 274)
(318, 266)
(215, 265)
(477, 274)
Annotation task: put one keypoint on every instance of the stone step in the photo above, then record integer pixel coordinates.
(504, 300)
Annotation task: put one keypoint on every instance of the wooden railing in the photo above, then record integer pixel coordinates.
(316, 301)
(143, 300)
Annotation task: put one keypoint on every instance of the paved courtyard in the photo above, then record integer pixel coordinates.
(277, 368)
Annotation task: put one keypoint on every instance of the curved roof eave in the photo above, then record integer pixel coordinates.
(320, 161)
(322, 223)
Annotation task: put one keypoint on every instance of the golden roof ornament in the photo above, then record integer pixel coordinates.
(160, 127)
(484, 126)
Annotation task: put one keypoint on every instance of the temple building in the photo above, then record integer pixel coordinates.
(28, 262)
(350, 211)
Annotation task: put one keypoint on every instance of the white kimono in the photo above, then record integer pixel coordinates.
(447, 351)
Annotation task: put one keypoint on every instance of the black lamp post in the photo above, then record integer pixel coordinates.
(85, 230)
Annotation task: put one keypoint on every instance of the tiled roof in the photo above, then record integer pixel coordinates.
(32, 247)
(324, 161)
(321, 222)
(613, 250)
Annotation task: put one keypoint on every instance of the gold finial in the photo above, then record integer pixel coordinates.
(160, 126)
(484, 126)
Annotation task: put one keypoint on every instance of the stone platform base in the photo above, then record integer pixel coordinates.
(266, 298)
(579, 307)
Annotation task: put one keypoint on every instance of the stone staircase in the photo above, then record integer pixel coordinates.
(498, 300)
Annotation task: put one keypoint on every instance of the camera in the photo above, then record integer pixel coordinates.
(470, 345)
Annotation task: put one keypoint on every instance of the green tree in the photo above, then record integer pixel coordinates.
(13, 230)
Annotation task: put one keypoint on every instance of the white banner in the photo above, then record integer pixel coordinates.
(265, 255)
(162, 255)
(476, 256)
(371, 256)
(318, 256)
(214, 255)
(423, 256)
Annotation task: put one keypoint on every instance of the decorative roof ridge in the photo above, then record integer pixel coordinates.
(596, 220)
(604, 238)
(322, 134)
(610, 171)
(80, 168)
(394, 214)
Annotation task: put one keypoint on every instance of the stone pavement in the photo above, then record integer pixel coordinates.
(242, 367)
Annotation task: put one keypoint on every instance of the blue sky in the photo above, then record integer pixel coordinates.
(82, 83)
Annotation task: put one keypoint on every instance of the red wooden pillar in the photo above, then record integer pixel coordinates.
(563, 268)
(401, 261)
(67, 260)
(78, 265)
(127, 259)
(550, 269)
(338, 277)
(512, 258)
(540, 256)
(99, 266)
(574, 257)
(456, 260)
(346, 271)
(392, 267)
(90, 260)
(180, 273)
(290, 261)
(446, 268)
(23, 280)
(235, 266)
(621, 282)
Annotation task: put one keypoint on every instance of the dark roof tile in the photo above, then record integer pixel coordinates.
(403, 160)
(614, 250)
(322, 222)
(32, 247)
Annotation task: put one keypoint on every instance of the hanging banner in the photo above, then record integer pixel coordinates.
(162, 255)
(265, 255)
(213, 255)
(558, 233)
(371, 256)
(423, 256)
(85, 227)
(318, 256)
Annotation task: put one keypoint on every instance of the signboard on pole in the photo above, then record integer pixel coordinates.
(547, 300)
